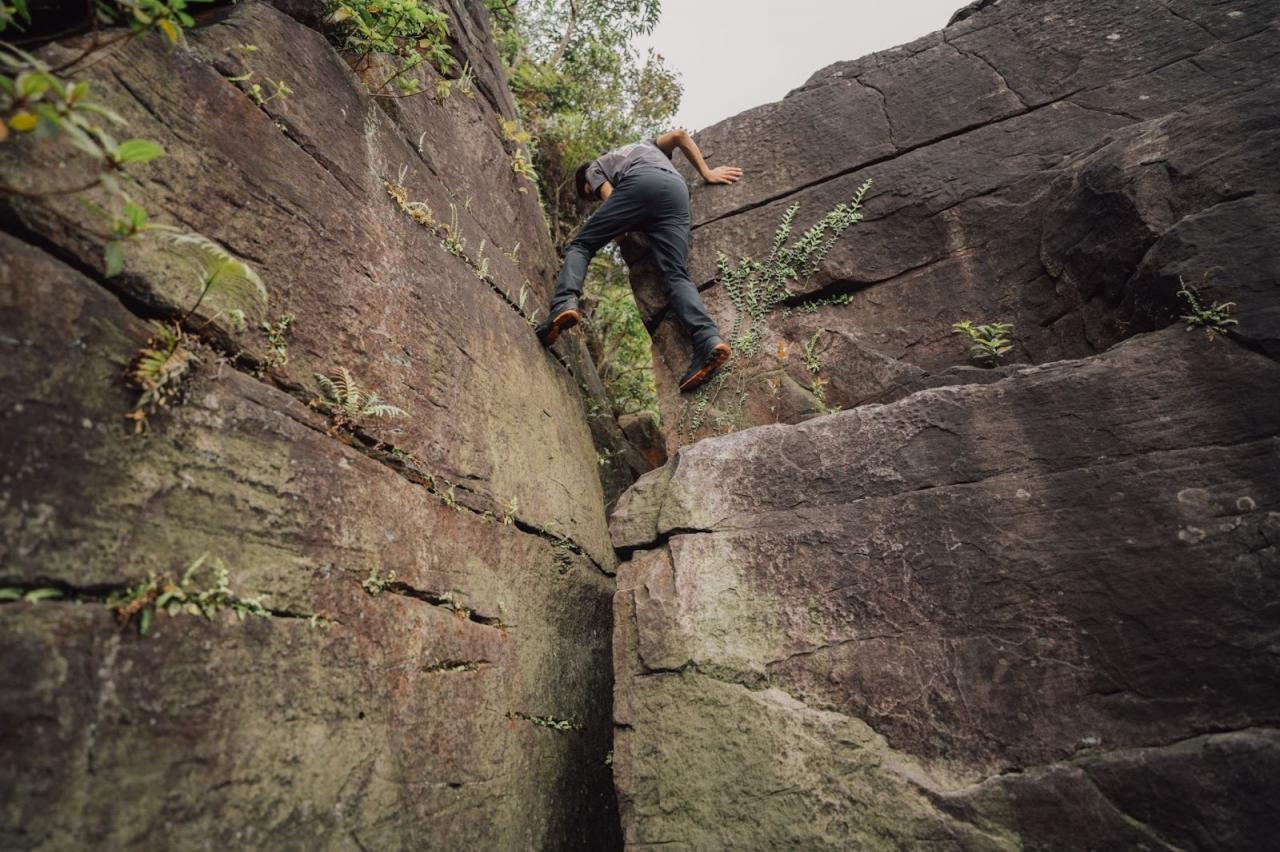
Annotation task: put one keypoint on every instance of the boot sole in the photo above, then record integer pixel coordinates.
(563, 320)
(718, 356)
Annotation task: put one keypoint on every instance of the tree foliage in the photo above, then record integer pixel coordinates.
(582, 89)
(618, 341)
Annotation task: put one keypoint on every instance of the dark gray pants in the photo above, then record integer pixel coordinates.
(656, 203)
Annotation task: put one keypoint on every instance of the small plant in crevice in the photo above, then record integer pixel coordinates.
(817, 385)
(279, 91)
(522, 167)
(757, 289)
(13, 593)
(532, 316)
(1215, 319)
(451, 234)
(159, 371)
(464, 85)
(277, 340)
(509, 511)
(449, 497)
(550, 722)
(346, 404)
(219, 272)
(202, 590)
(376, 583)
(990, 341)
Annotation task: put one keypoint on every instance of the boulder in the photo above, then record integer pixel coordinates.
(983, 616)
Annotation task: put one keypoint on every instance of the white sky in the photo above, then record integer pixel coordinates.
(736, 54)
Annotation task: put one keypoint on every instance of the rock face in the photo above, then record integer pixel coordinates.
(1033, 607)
(433, 672)
(995, 147)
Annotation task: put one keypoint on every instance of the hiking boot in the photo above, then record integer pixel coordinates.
(549, 329)
(705, 366)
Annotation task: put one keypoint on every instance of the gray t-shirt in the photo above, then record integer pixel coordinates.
(613, 165)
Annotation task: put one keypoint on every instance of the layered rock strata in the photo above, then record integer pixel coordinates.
(1056, 166)
(1031, 607)
(432, 669)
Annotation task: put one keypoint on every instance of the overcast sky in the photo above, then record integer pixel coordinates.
(736, 54)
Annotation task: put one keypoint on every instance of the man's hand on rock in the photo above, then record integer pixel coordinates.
(723, 174)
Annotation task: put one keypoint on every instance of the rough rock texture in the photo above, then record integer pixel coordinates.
(1034, 607)
(986, 596)
(422, 716)
(996, 146)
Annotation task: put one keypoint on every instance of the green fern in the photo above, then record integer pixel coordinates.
(158, 371)
(141, 602)
(220, 273)
(1214, 319)
(343, 400)
(758, 289)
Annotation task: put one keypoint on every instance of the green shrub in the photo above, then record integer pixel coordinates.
(990, 341)
(1214, 319)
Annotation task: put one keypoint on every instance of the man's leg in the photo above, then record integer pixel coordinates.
(670, 241)
(615, 216)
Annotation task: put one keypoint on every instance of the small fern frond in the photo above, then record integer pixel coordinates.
(222, 273)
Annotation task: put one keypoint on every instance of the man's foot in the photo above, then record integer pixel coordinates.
(549, 329)
(705, 367)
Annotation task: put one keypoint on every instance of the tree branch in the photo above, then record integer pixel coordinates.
(568, 34)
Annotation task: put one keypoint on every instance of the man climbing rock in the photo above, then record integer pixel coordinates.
(643, 192)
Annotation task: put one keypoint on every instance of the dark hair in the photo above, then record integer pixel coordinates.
(579, 178)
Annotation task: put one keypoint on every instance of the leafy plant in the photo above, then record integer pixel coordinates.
(616, 337)
(11, 593)
(159, 370)
(36, 101)
(544, 721)
(411, 32)
(203, 590)
(1214, 319)
(168, 16)
(756, 290)
(509, 511)
(277, 339)
(990, 341)
(375, 584)
(346, 404)
(219, 272)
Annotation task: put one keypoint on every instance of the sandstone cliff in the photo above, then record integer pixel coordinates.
(1026, 607)
(433, 671)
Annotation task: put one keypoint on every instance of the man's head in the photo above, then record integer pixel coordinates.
(580, 181)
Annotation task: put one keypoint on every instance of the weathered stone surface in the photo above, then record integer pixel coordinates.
(996, 147)
(1030, 607)
(1021, 587)
(391, 726)
(465, 705)
(296, 186)
(645, 438)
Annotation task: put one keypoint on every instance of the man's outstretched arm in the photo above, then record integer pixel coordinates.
(673, 139)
